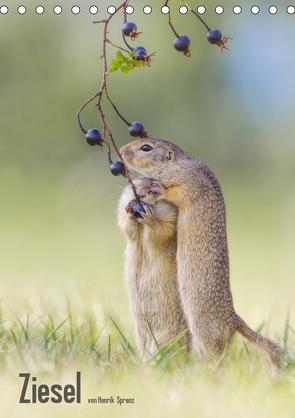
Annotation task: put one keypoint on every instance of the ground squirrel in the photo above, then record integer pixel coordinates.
(202, 251)
(150, 267)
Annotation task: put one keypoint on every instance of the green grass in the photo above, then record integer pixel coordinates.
(64, 243)
(59, 239)
(53, 348)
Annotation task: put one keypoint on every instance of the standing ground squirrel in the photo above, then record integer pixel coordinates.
(150, 267)
(202, 252)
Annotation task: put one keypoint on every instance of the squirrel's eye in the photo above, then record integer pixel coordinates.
(146, 148)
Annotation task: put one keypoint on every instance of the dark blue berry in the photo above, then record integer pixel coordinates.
(93, 137)
(128, 28)
(117, 168)
(138, 207)
(136, 129)
(141, 54)
(139, 48)
(182, 43)
(214, 36)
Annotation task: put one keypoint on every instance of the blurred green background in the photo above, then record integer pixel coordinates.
(235, 111)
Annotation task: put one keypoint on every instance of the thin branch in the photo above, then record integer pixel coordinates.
(88, 101)
(169, 21)
(207, 27)
(115, 107)
(79, 123)
(116, 46)
(124, 12)
(103, 88)
(128, 46)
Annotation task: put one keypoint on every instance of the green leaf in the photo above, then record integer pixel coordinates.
(132, 54)
(121, 58)
(116, 64)
(137, 63)
(126, 69)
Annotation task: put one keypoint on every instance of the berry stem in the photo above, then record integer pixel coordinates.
(81, 127)
(124, 120)
(115, 107)
(128, 46)
(116, 46)
(81, 108)
(124, 12)
(207, 27)
(176, 34)
(109, 153)
(169, 21)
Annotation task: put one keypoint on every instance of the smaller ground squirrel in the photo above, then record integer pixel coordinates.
(150, 267)
(202, 252)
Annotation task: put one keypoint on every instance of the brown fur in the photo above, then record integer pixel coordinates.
(202, 251)
(150, 268)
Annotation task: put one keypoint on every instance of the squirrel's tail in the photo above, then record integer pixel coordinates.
(273, 351)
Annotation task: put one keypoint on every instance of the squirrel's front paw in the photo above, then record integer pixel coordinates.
(130, 209)
(146, 215)
(157, 190)
(139, 211)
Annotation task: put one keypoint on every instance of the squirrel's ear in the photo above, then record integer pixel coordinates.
(170, 155)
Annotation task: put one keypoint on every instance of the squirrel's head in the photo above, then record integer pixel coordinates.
(146, 190)
(142, 186)
(153, 157)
